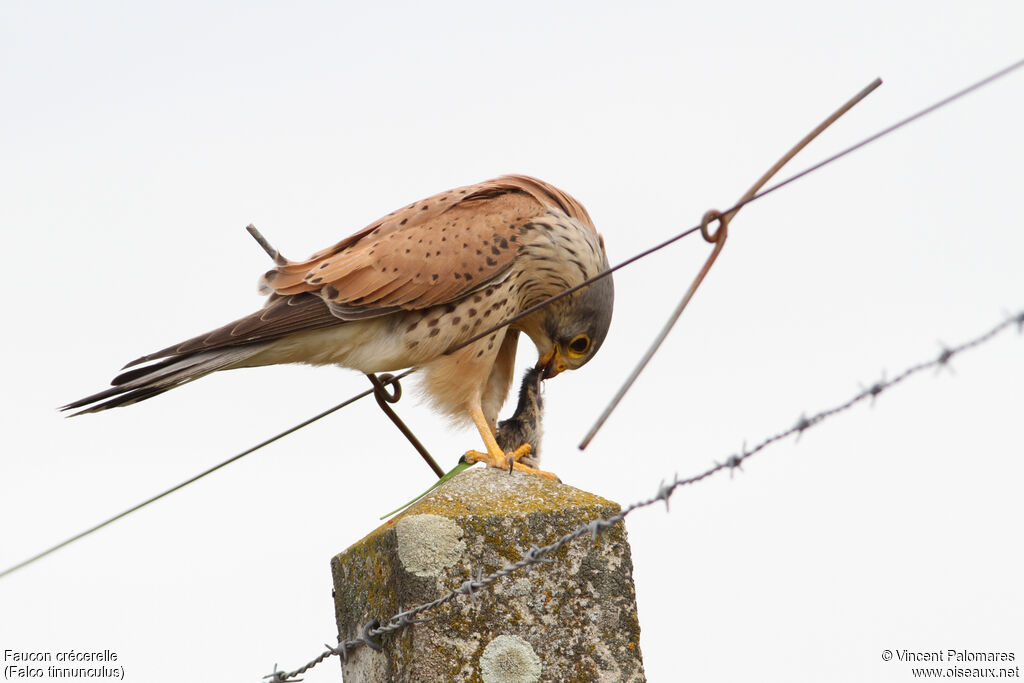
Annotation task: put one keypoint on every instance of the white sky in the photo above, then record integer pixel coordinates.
(138, 140)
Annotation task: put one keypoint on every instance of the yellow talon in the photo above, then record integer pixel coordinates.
(521, 452)
(502, 460)
(495, 457)
(533, 470)
(508, 461)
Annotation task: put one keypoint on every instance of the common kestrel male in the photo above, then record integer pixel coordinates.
(406, 290)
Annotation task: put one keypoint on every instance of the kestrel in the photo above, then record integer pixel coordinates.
(408, 289)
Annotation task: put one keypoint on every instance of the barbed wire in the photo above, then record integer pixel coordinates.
(647, 252)
(372, 630)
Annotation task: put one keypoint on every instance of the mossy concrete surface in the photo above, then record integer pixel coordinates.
(572, 620)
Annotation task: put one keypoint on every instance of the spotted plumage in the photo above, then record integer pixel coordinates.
(408, 289)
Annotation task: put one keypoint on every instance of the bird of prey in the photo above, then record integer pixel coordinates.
(406, 291)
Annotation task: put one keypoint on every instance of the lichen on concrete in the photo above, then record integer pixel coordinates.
(428, 543)
(577, 614)
(510, 659)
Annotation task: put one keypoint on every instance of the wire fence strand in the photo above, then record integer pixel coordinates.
(374, 629)
(190, 480)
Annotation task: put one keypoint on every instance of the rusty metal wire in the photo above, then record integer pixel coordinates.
(384, 397)
(372, 631)
(718, 239)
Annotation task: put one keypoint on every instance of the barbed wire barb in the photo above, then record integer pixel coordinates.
(945, 355)
(276, 675)
(874, 390)
(665, 491)
(735, 462)
(341, 652)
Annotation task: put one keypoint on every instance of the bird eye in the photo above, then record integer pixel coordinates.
(578, 346)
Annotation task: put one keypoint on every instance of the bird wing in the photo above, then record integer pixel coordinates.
(428, 253)
(281, 316)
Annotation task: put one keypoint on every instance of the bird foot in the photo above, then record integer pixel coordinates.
(508, 461)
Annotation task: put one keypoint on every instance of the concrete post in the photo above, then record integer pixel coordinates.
(572, 620)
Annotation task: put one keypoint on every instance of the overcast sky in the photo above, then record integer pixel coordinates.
(139, 139)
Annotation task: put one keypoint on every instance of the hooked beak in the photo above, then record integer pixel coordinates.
(551, 363)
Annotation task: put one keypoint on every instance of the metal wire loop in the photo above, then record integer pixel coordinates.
(383, 398)
(365, 636)
(380, 388)
(709, 217)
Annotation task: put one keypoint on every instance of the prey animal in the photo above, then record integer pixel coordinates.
(411, 290)
(525, 426)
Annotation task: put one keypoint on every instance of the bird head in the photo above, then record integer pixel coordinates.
(569, 331)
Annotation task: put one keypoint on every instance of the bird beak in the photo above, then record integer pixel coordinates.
(551, 363)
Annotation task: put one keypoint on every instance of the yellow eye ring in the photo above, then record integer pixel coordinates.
(579, 346)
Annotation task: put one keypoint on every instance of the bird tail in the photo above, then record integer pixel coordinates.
(138, 384)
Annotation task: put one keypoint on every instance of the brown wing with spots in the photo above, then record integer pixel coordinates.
(428, 253)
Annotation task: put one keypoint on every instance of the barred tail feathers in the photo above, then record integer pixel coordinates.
(141, 383)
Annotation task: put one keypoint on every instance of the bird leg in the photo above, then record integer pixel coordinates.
(495, 457)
